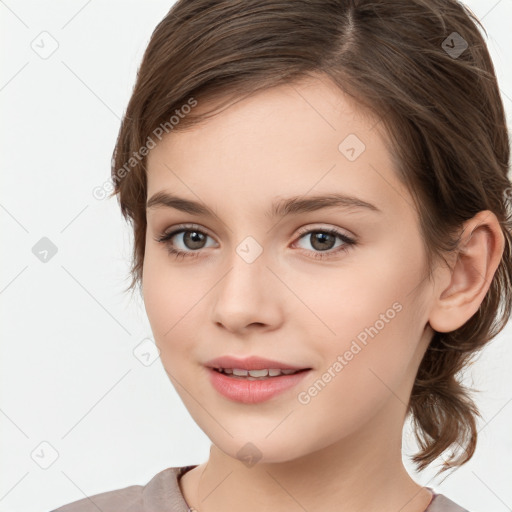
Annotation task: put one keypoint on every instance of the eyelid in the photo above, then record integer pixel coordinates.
(303, 230)
(186, 227)
(340, 231)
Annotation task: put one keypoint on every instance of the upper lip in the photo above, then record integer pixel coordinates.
(250, 363)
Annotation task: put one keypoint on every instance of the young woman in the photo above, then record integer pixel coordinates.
(322, 237)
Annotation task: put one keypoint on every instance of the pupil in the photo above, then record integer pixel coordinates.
(194, 239)
(321, 238)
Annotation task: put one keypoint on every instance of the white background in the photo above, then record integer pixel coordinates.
(68, 373)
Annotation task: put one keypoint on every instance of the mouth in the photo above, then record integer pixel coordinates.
(263, 374)
(255, 386)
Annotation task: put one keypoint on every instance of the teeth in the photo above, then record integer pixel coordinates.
(258, 373)
(238, 372)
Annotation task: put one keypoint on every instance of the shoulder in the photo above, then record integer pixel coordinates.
(126, 499)
(440, 503)
(161, 492)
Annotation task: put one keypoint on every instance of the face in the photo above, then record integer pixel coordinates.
(338, 287)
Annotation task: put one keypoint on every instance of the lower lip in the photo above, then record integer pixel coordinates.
(253, 391)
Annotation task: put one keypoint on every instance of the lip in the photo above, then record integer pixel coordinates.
(251, 363)
(253, 391)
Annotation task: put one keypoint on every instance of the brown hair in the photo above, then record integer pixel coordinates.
(439, 101)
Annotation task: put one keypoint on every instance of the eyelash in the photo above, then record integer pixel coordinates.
(321, 255)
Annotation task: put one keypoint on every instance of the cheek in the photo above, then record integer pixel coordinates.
(374, 317)
(362, 374)
(353, 297)
(172, 301)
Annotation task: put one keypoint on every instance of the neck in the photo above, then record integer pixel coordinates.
(363, 471)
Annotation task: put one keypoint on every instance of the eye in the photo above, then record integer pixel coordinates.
(191, 237)
(323, 240)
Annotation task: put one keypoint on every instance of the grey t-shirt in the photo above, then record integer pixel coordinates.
(163, 494)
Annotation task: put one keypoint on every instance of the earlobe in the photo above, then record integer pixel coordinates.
(479, 254)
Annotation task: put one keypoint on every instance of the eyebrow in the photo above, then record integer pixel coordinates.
(283, 207)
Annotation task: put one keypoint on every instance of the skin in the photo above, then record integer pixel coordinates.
(342, 450)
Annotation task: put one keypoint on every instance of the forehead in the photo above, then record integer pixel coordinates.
(294, 139)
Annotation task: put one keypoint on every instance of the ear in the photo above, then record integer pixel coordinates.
(461, 289)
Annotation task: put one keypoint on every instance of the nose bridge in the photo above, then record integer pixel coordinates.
(247, 265)
(245, 294)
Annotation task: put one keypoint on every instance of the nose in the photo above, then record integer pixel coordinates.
(248, 296)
